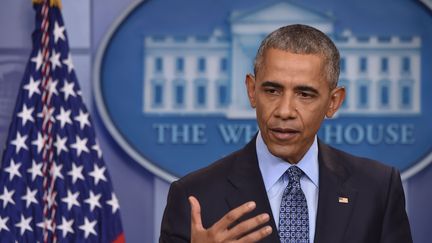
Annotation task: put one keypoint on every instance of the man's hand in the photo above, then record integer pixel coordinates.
(220, 232)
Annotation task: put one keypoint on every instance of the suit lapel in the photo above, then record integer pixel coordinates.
(333, 214)
(246, 184)
(336, 198)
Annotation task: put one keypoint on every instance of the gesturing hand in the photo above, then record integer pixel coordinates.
(220, 231)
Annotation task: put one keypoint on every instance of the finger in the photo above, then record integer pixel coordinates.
(248, 225)
(196, 222)
(256, 235)
(233, 215)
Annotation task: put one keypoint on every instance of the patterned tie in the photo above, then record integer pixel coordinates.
(293, 216)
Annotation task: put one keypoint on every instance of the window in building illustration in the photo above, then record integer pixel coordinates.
(384, 65)
(223, 64)
(363, 94)
(179, 92)
(222, 93)
(406, 93)
(363, 64)
(201, 64)
(406, 65)
(384, 93)
(345, 83)
(180, 65)
(157, 89)
(200, 92)
(159, 64)
(179, 95)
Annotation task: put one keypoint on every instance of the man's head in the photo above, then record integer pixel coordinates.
(302, 39)
(294, 88)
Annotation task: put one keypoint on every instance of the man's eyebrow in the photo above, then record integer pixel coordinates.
(305, 88)
(302, 88)
(271, 84)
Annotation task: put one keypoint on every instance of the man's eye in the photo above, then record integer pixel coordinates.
(271, 91)
(306, 95)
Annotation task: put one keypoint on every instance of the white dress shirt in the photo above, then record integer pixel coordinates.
(272, 170)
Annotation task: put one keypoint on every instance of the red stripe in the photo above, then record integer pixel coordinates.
(120, 239)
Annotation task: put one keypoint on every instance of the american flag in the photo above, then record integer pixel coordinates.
(54, 185)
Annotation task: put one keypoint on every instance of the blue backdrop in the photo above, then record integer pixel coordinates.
(141, 194)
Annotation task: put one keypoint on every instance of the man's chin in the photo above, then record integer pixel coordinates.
(283, 152)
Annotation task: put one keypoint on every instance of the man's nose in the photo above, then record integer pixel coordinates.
(286, 107)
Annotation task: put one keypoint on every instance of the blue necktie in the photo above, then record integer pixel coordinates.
(293, 216)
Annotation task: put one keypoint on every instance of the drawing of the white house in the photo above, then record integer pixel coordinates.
(205, 74)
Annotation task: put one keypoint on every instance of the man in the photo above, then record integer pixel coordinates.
(286, 185)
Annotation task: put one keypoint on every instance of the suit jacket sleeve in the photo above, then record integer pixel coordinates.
(396, 226)
(176, 219)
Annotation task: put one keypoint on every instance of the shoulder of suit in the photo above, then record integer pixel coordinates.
(217, 170)
(357, 165)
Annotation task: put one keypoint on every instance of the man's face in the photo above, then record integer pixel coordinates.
(291, 96)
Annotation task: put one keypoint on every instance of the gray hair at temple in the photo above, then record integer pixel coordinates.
(302, 39)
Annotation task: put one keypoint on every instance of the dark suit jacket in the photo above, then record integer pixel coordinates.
(375, 211)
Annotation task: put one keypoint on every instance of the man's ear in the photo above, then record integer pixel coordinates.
(250, 86)
(337, 96)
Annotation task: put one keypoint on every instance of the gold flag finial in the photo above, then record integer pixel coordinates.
(53, 3)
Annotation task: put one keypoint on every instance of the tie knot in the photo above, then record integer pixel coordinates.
(294, 175)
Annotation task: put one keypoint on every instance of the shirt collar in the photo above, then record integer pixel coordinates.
(272, 167)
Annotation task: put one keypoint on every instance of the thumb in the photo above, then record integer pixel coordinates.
(196, 222)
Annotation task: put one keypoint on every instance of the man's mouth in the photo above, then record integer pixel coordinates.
(284, 133)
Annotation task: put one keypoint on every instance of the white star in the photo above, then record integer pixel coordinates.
(114, 203)
(88, 227)
(30, 197)
(32, 87)
(46, 224)
(38, 60)
(35, 170)
(53, 87)
(98, 174)
(47, 115)
(80, 145)
(68, 89)
(24, 224)
(3, 222)
(20, 142)
(93, 201)
(76, 173)
(26, 115)
(66, 226)
(71, 199)
(55, 60)
(64, 117)
(7, 197)
(60, 144)
(97, 149)
(68, 62)
(39, 142)
(56, 171)
(83, 119)
(58, 32)
(13, 170)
